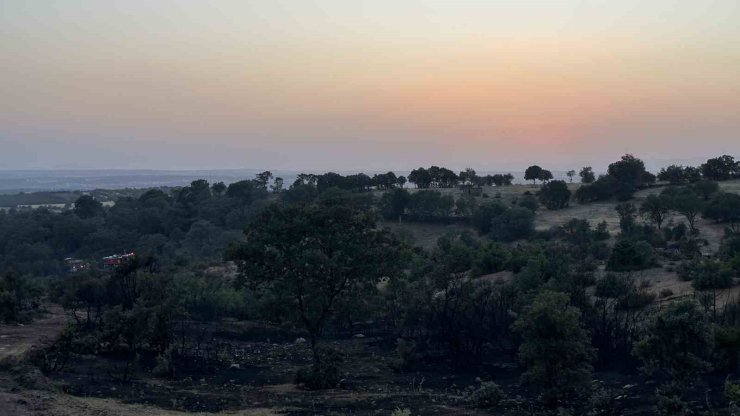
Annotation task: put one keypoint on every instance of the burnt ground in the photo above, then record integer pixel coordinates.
(254, 370)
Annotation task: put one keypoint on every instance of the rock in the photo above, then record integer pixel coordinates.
(300, 340)
(234, 367)
(358, 336)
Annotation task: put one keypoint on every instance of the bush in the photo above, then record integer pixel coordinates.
(706, 274)
(732, 392)
(486, 396)
(724, 207)
(669, 400)
(529, 202)
(628, 255)
(637, 298)
(556, 348)
(612, 286)
(325, 373)
(677, 342)
(484, 214)
(164, 366)
(401, 412)
(407, 355)
(555, 195)
(491, 258)
(513, 224)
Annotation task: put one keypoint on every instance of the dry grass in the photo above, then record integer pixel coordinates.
(421, 234)
(16, 341)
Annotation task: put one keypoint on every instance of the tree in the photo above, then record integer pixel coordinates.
(720, 168)
(533, 173)
(529, 201)
(587, 175)
(263, 178)
(674, 174)
(218, 188)
(246, 190)
(628, 256)
(656, 208)
(571, 174)
(555, 348)
(420, 177)
(393, 203)
(724, 207)
(512, 224)
(626, 212)
(277, 185)
(468, 177)
(545, 175)
(688, 204)
(401, 181)
(484, 214)
(629, 174)
(677, 342)
(314, 257)
(430, 206)
(705, 188)
(555, 195)
(87, 207)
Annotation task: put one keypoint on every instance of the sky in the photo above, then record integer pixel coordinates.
(353, 85)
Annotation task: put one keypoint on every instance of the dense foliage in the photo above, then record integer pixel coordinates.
(556, 306)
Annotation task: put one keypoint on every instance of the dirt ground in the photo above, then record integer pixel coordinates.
(17, 340)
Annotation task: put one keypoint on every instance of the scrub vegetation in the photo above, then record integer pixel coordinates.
(461, 294)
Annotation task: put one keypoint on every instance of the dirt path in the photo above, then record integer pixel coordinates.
(17, 340)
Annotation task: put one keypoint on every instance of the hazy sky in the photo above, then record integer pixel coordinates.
(349, 84)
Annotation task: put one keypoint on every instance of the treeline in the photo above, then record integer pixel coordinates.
(433, 177)
(626, 176)
(183, 226)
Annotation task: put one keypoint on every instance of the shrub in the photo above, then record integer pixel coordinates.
(54, 358)
(323, 374)
(529, 202)
(724, 207)
(669, 400)
(677, 342)
(555, 195)
(612, 286)
(628, 255)
(513, 224)
(164, 366)
(406, 353)
(491, 258)
(556, 349)
(484, 214)
(602, 231)
(637, 298)
(486, 396)
(401, 412)
(732, 392)
(706, 274)
(727, 345)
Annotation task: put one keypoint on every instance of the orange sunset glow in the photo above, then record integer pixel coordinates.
(288, 84)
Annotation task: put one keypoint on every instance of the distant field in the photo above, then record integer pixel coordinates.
(62, 198)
